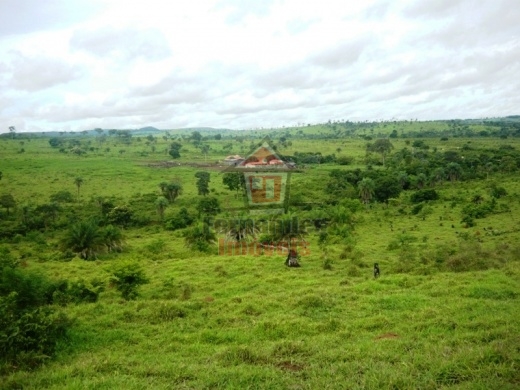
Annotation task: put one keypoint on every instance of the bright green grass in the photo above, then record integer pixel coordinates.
(240, 322)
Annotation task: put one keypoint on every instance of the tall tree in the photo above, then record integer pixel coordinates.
(171, 191)
(161, 203)
(366, 188)
(234, 181)
(454, 171)
(203, 179)
(382, 146)
(78, 181)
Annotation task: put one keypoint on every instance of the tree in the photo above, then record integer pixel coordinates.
(234, 181)
(239, 229)
(7, 201)
(218, 137)
(79, 182)
(196, 136)
(366, 189)
(180, 220)
(12, 131)
(208, 206)
(174, 150)
(386, 187)
(1, 174)
(171, 191)
(161, 203)
(205, 148)
(382, 146)
(454, 171)
(85, 239)
(203, 179)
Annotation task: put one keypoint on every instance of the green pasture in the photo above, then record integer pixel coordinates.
(445, 312)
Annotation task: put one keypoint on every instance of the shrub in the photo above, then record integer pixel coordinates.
(424, 195)
(29, 329)
(127, 278)
(62, 196)
(181, 220)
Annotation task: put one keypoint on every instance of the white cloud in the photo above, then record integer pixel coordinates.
(126, 64)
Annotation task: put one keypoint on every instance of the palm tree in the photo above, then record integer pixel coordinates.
(171, 190)
(112, 238)
(454, 171)
(240, 229)
(78, 181)
(366, 189)
(85, 238)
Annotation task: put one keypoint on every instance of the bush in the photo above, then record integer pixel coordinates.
(424, 195)
(127, 278)
(28, 337)
(29, 329)
(62, 197)
(181, 220)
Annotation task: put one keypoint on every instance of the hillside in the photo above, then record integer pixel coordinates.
(119, 233)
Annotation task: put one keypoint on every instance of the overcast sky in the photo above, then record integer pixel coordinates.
(82, 64)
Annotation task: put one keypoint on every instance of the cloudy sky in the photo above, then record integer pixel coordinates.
(81, 64)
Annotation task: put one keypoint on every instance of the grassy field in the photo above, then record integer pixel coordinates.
(445, 312)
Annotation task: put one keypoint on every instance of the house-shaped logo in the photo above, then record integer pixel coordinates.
(266, 178)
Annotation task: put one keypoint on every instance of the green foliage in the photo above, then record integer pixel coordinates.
(386, 187)
(424, 195)
(127, 278)
(87, 239)
(182, 219)
(161, 203)
(62, 196)
(174, 150)
(28, 337)
(203, 179)
(7, 201)
(366, 188)
(199, 237)
(234, 181)
(208, 206)
(121, 216)
(29, 330)
(171, 191)
(497, 191)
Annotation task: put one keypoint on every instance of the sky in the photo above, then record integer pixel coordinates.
(70, 65)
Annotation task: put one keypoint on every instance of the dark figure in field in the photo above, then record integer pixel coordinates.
(376, 270)
(292, 259)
